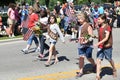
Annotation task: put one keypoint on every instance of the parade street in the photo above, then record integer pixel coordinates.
(14, 65)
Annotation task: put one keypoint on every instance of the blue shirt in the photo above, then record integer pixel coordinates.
(101, 10)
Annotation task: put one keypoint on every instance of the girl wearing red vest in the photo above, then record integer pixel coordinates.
(104, 44)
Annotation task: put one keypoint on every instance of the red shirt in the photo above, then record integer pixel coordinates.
(0, 21)
(101, 30)
(32, 19)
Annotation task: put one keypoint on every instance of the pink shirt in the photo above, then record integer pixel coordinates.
(11, 13)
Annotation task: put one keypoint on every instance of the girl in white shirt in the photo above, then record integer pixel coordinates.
(53, 27)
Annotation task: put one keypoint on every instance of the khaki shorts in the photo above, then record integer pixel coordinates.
(10, 21)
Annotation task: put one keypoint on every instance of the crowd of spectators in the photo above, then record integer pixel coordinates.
(17, 12)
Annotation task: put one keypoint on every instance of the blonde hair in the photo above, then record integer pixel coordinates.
(83, 15)
(31, 8)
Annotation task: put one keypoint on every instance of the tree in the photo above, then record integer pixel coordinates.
(89, 1)
(6, 2)
(47, 3)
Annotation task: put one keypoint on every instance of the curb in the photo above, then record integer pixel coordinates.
(12, 39)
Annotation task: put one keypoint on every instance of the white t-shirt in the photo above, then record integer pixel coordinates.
(55, 28)
(44, 20)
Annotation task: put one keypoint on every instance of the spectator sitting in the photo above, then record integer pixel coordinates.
(3, 29)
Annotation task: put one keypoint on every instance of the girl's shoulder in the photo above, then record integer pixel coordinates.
(44, 18)
(56, 25)
(9, 9)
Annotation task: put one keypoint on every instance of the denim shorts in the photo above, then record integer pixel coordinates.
(86, 51)
(104, 53)
(54, 42)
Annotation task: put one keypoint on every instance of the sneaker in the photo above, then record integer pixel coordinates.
(37, 49)
(9, 36)
(25, 51)
(41, 56)
(13, 35)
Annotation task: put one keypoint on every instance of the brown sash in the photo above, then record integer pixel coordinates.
(52, 34)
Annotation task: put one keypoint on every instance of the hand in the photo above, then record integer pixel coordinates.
(85, 41)
(95, 45)
(33, 28)
(82, 40)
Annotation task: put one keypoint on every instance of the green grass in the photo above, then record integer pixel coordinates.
(6, 37)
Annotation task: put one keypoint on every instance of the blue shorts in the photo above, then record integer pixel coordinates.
(53, 42)
(107, 53)
(86, 51)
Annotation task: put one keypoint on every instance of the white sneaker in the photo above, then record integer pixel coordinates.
(10, 36)
(13, 35)
(25, 51)
(37, 49)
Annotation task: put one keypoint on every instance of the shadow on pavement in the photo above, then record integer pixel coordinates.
(62, 58)
(106, 71)
(88, 68)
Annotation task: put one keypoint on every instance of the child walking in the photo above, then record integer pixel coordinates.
(105, 42)
(84, 45)
(53, 32)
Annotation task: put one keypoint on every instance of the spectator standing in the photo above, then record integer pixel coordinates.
(95, 16)
(69, 14)
(24, 13)
(101, 9)
(36, 6)
(18, 20)
(11, 21)
(57, 8)
(118, 16)
(3, 27)
(89, 14)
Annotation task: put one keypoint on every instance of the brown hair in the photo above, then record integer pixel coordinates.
(55, 19)
(12, 5)
(103, 17)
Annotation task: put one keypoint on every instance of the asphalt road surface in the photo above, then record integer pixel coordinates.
(14, 65)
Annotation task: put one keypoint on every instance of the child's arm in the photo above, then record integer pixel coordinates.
(107, 33)
(90, 31)
(60, 33)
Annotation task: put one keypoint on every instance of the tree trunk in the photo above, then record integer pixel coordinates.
(47, 3)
